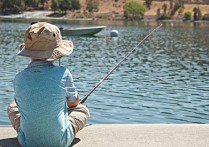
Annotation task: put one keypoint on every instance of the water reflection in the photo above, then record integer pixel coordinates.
(165, 81)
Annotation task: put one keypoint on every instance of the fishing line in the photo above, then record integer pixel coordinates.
(107, 75)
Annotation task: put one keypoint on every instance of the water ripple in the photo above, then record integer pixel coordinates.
(164, 81)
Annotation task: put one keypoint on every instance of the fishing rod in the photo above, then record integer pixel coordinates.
(128, 54)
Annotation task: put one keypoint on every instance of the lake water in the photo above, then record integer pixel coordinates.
(165, 81)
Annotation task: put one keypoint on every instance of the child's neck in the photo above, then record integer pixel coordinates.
(37, 59)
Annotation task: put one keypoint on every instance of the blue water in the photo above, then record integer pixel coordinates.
(166, 80)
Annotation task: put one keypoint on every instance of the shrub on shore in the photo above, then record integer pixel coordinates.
(134, 10)
(165, 15)
(188, 15)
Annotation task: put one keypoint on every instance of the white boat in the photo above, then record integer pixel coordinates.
(82, 31)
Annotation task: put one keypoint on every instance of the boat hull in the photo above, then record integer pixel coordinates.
(86, 31)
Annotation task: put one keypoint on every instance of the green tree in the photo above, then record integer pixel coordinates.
(65, 5)
(32, 3)
(148, 3)
(5, 5)
(75, 4)
(55, 5)
(158, 12)
(43, 4)
(133, 9)
(164, 9)
(43, 1)
(27, 3)
(165, 14)
(20, 5)
(12, 6)
(187, 15)
(177, 4)
(35, 3)
(197, 13)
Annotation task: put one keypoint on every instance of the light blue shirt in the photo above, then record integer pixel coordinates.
(40, 92)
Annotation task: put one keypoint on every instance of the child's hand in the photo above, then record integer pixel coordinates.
(85, 105)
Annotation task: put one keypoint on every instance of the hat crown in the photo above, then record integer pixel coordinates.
(44, 41)
(42, 36)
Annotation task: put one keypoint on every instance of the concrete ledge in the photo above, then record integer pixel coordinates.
(133, 135)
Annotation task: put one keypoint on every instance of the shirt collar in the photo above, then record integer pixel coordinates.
(40, 63)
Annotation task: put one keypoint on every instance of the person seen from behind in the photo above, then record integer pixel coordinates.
(46, 111)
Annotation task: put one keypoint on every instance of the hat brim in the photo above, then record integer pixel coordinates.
(63, 49)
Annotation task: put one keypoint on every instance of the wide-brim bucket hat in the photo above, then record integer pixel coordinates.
(43, 40)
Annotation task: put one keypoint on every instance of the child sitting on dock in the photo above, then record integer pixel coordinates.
(46, 110)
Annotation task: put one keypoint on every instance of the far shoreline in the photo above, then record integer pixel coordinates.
(95, 21)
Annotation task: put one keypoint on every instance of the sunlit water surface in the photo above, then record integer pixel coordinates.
(166, 80)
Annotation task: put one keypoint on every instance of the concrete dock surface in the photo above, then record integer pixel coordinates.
(130, 135)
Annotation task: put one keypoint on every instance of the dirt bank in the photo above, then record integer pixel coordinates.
(112, 10)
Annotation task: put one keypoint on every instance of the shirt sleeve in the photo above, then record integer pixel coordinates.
(71, 91)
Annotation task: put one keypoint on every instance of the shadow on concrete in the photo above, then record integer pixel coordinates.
(75, 141)
(13, 142)
(9, 142)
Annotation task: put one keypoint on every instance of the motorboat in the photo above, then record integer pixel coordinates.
(82, 31)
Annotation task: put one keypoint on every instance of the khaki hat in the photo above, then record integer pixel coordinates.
(44, 41)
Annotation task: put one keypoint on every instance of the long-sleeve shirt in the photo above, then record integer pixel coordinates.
(41, 91)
